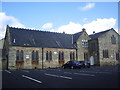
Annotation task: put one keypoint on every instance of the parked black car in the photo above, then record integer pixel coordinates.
(85, 64)
(73, 65)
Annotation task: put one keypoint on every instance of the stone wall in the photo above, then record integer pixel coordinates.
(105, 43)
(1, 47)
(27, 57)
(81, 50)
(94, 50)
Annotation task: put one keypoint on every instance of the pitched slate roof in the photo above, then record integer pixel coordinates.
(97, 35)
(76, 36)
(36, 38)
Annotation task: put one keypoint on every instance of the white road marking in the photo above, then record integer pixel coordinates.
(7, 71)
(51, 75)
(31, 79)
(67, 72)
(58, 76)
(65, 77)
(84, 74)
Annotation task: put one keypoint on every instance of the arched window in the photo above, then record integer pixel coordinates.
(59, 57)
(73, 56)
(22, 55)
(37, 56)
(113, 39)
(47, 55)
(17, 55)
(63, 56)
(33, 55)
(105, 54)
(50, 55)
(70, 56)
(117, 56)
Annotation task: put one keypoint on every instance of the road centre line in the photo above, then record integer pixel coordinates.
(7, 71)
(31, 79)
(58, 76)
(84, 74)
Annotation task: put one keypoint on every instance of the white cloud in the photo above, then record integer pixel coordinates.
(10, 20)
(100, 25)
(87, 6)
(70, 28)
(47, 26)
(95, 25)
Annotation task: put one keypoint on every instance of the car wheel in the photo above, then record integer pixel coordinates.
(83, 65)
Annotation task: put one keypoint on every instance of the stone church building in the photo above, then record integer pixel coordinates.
(31, 49)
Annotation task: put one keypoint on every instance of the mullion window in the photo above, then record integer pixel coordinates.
(117, 56)
(62, 56)
(33, 55)
(49, 56)
(59, 56)
(37, 56)
(105, 54)
(19, 55)
(72, 56)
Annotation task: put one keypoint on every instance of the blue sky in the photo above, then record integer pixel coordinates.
(69, 17)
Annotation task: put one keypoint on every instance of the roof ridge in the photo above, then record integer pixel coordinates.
(101, 32)
(78, 32)
(29, 29)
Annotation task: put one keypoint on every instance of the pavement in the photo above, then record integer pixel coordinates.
(93, 77)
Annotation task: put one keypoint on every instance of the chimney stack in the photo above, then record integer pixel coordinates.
(63, 32)
(93, 32)
(83, 29)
